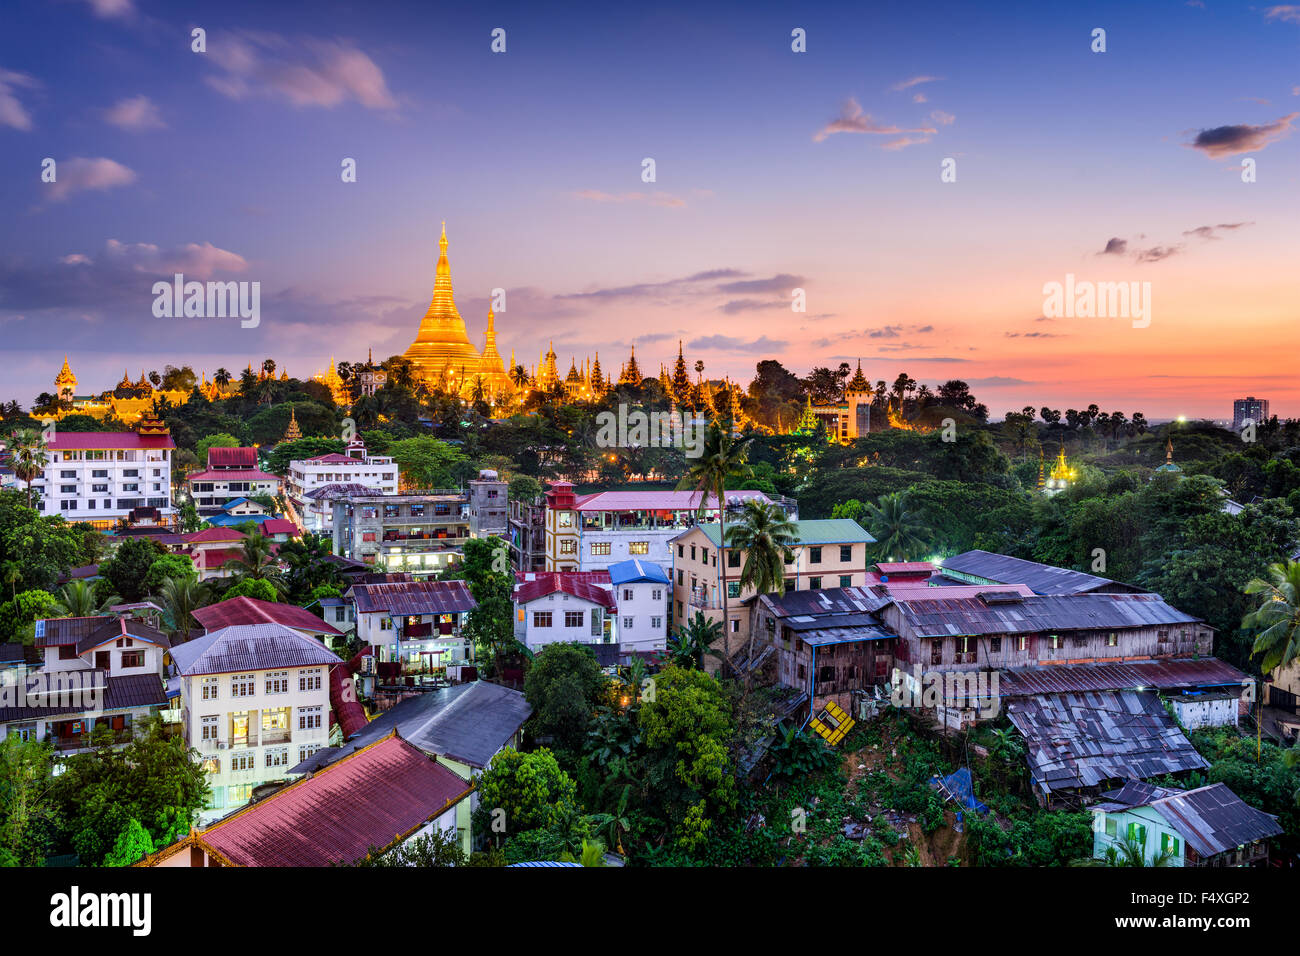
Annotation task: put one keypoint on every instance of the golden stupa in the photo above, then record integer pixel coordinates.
(442, 349)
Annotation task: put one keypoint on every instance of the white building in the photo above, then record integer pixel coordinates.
(564, 607)
(413, 627)
(643, 593)
(356, 467)
(101, 477)
(254, 702)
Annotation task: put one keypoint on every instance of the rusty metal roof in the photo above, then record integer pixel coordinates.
(1085, 740)
(1057, 612)
(413, 597)
(1214, 820)
(1076, 678)
(824, 601)
(1041, 578)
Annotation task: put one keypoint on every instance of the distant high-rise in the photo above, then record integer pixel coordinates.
(1246, 410)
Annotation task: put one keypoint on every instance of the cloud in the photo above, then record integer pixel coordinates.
(1115, 247)
(852, 119)
(919, 98)
(1295, 91)
(942, 118)
(1156, 253)
(12, 112)
(782, 282)
(305, 73)
(1287, 14)
(728, 343)
(994, 381)
(136, 112)
(886, 332)
(79, 174)
(914, 81)
(734, 306)
(112, 9)
(1241, 138)
(1208, 232)
(1032, 335)
(653, 199)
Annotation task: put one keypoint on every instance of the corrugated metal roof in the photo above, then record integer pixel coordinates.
(824, 601)
(657, 500)
(413, 597)
(246, 610)
(249, 647)
(1042, 578)
(940, 617)
(813, 532)
(120, 693)
(840, 634)
(1085, 740)
(1213, 819)
(637, 570)
(1075, 678)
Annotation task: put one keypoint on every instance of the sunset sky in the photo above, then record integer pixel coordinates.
(775, 170)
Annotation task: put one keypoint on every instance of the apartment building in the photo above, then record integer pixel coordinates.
(422, 533)
(593, 532)
(527, 534)
(102, 477)
(413, 628)
(565, 607)
(254, 702)
(830, 553)
(488, 510)
(231, 473)
(355, 467)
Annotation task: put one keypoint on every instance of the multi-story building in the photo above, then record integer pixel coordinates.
(829, 553)
(642, 592)
(422, 533)
(850, 416)
(527, 524)
(231, 473)
(592, 532)
(101, 477)
(413, 627)
(565, 607)
(356, 467)
(1247, 411)
(254, 702)
(488, 511)
(96, 672)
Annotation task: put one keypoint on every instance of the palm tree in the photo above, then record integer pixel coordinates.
(221, 378)
(1278, 615)
(765, 535)
(519, 375)
(722, 459)
(181, 597)
(27, 457)
(689, 645)
(257, 562)
(1129, 852)
(268, 366)
(12, 572)
(899, 534)
(77, 599)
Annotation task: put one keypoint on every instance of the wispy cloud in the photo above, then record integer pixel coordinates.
(1287, 13)
(653, 199)
(12, 112)
(307, 72)
(853, 119)
(136, 113)
(1242, 137)
(729, 343)
(112, 9)
(914, 81)
(80, 175)
(1210, 232)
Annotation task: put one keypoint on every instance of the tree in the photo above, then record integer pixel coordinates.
(27, 455)
(899, 535)
(217, 440)
(765, 534)
(18, 615)
(128, 568)
(168, 566)
(256, 562)
(524, 488)
(565, 686)
(437, 848)
(182, 596)
(260, 589)
(426, 462)
(487, 575)
(722, 460)
(131, 845)
(689, 645)
(28, 814)
(1278, 616)
(77, 599)
(528, 791)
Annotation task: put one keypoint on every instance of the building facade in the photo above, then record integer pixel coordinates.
(422, 533)
(1249, 410)
(357, 467)
(231, 473)
(101, 477)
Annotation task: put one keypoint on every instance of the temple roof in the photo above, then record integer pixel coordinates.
(442, 341)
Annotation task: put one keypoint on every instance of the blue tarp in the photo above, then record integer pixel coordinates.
(961, 788)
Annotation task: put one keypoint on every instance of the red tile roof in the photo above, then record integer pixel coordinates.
(371, 798)
(334, 458)
(278, 526)
(906, 567)
(657, 500)
(247, 610)
(233, 474)
(581, 584)
(81, 440)
(343, 701)
(232, 457)
(213, 534)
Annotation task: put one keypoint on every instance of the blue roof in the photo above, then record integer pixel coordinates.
(233, 502)
(229, 521)
(635, 570)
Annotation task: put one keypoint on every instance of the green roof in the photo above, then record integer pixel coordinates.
(824, 531)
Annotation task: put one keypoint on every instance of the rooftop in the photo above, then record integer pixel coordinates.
(249, 647)
(1007, 613)
(625, 572)
(247, 610)
(814, 532)
(656, 500)
(413, 597)
(593, 586)
(1041, 578)
(79, 441)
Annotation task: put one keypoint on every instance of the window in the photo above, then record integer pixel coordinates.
(735, 625)
(385, 624)
(99, 489)
(733, 559)
(1138, 832)
(67, 474)
(846, 580)
(309, 718)
(133, 658)
(1111, 828)
(103, 473)
(681, 549)
(846, 552)
(1169, 844)
(638, 547)
(692, 552)
(573, 618)
(306, 750)
(568, 546)
(600, 547)
(564, 519)
(277, 757)
(627, 594)
(208, 727)
(309, 680)
(657, 594)
(733, 589)
(679, 577)
(211, 688)
(627, 622)
(243, 685)
(67, 489)
(1022, 642)
(241, 761)
(704, 555)
(541, 619)
(277, 682)
(656, 623)
(936, 652)
(1056, 642)
(815, 583)
(814, 555)
(995, 645)
(789, 584)
(1112, 639)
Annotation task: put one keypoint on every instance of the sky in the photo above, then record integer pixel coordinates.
(774, 170)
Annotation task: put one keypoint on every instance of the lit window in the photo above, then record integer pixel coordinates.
(638, 547)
